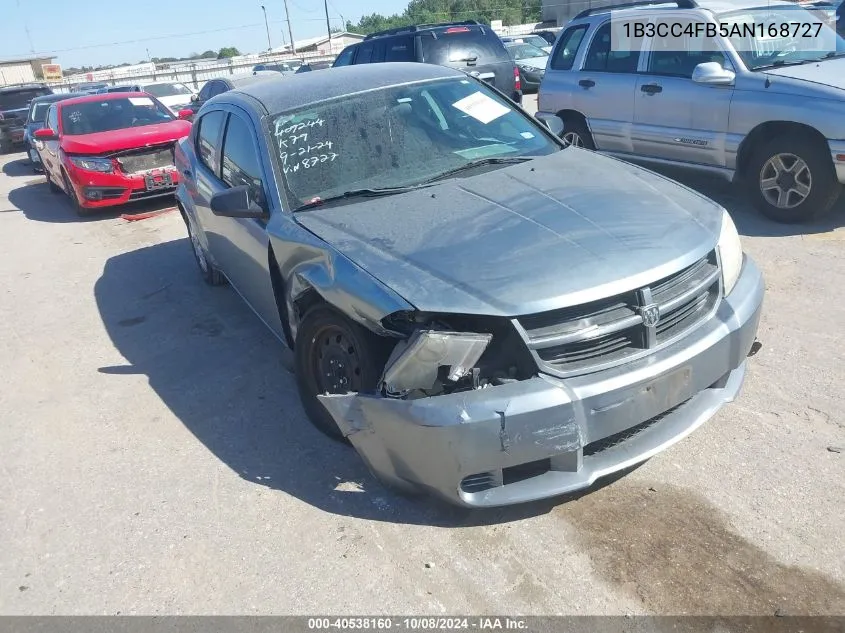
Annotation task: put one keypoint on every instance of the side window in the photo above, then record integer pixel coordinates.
(52, 118)
(612, 51)
(678, 56)
(345, 57)
(567, 49)
(365, 53)
(241, 165)
(378, 52)
(208, 138)
(399, 49)
(205, 93)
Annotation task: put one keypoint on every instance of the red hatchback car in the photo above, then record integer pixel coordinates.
(109, 149)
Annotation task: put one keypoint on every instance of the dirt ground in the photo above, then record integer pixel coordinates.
(154, 456)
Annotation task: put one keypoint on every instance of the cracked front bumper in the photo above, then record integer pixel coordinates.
(545, 436)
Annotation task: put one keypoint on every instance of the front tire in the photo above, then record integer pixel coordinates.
(74, 201)
(791, 179)
(54, 188)
(334, 355)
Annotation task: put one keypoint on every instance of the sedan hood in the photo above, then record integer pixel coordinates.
(828, 73)
(126, 138)
(560, 230)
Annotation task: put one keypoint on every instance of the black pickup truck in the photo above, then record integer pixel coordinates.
(14, 106)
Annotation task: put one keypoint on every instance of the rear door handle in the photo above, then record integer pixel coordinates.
(586, 83)
(651, 88)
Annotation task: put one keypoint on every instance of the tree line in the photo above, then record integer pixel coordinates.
(430, 11)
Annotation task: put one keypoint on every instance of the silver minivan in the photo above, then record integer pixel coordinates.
(749, 104)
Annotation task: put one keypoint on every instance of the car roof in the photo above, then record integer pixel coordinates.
(58, 96)
(245, 79)
(20, 87)
(294, 91)
(103, 96)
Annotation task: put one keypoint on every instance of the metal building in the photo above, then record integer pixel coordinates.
(22, 70)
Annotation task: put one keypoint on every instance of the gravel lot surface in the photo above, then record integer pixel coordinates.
(155, 459)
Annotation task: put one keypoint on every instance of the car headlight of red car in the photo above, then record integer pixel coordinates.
(103, 165)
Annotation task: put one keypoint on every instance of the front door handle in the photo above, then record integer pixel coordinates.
(651, 88)
(586, 83)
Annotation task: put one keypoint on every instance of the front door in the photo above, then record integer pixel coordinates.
(228, 150)
(676, 118)
(49, 150)
(604, 90)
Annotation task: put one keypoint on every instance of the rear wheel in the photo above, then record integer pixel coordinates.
(210, 274)
(791, 179)
(334, 355)
(575, 132)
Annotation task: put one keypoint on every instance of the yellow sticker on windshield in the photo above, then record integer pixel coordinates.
(479, 106)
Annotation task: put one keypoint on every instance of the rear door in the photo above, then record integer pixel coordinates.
(605, 85)
(475, 50)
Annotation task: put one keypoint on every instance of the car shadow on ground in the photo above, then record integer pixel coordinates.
(749, 221)
(230, 382)
(17, 168)
(35, 200)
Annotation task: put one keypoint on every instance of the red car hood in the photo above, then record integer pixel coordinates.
(126, 138)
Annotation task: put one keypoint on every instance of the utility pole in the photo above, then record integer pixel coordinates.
(290, 31)
(328, 26)
(267, 26)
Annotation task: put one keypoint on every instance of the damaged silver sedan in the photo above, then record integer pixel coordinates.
(483, 313)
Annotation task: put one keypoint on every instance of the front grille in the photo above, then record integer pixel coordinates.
(616, 439)
(599, 334)
(146, 160)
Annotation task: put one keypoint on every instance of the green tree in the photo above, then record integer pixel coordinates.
(228, 51)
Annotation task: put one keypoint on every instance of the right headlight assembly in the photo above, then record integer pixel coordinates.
(730, 253)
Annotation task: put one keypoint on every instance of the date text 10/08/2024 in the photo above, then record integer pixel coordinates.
(417, 623)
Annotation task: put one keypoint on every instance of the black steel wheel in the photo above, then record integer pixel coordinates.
(334, 355)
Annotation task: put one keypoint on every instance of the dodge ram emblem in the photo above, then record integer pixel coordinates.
(651, 314)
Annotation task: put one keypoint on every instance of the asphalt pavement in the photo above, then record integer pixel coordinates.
(155, 459)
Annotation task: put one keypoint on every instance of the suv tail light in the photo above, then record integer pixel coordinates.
(517, 83)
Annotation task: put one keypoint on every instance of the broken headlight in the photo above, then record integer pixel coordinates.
(416, 364)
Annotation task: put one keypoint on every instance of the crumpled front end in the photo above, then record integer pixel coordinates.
(526, 439)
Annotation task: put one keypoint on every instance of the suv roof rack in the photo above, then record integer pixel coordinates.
(681, 4)
(414, 28)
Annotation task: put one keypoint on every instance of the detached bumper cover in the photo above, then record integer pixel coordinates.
(544, 437)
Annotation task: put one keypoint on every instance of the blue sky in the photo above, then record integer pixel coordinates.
(73, 30)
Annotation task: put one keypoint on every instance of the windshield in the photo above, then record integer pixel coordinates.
(525, 51)
(399, 137)
(167, 90)
(19, 99)
(773, 36)
(112, 114)
(535, 40)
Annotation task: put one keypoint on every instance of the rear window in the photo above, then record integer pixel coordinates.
(456, 46)
(39, 112)
(112, 114)
(19, 99)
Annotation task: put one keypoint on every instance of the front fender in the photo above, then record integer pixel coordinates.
(306, 263)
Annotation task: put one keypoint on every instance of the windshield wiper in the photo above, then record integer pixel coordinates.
(355, 193)
(501, 160)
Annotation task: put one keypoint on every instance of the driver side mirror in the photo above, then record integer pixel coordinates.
(186, 115)
(45, 134)
(236, 202)
(195, 98)
(552, 122)
(712, 74)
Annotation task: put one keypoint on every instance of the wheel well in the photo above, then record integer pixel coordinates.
(766, 131)
(302, 302)
(572, 115)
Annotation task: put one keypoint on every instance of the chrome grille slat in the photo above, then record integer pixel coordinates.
(603, 333)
